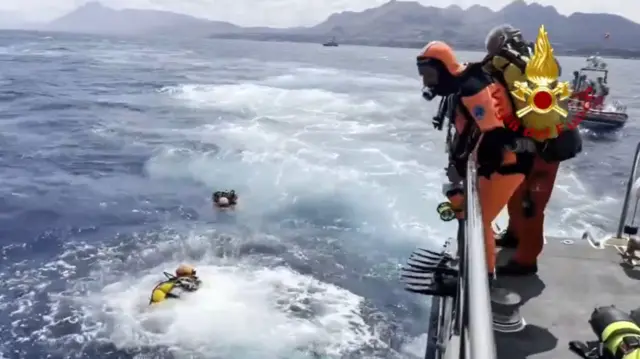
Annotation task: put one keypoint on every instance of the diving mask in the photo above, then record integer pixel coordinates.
(436, 79)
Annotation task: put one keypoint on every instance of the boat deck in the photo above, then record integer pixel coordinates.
(572, 280)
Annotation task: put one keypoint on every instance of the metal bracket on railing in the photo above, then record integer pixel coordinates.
(431, 273)
(626, 240)
(627, 195)
(631, 254)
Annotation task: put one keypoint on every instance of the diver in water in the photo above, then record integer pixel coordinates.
(184, 280)
(223, 200)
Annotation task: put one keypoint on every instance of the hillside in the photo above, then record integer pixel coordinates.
(396, 23)
(96, 18)
(399, 23)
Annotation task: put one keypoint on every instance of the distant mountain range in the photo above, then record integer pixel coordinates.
(94, 17)
(396, 23)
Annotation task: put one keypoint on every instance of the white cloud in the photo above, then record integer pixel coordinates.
(283, 13)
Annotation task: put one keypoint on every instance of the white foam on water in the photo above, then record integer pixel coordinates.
(281, 142)
(271, 101)
(319, 135)
(243, 309)
(303, 137)
(319, 129)
(239, 312)
(414, 349)
(306, 77)
(311, 141)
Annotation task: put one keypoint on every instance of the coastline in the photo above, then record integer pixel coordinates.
(413, 44)
(618, 53)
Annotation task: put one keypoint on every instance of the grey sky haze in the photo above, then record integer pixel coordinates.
(285, 13)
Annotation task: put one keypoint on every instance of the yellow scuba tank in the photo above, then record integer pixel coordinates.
(159, 293)
(617, 331)
(508, 55)
(446, 211)
(555, 136)
(454, 208)
(510, 67)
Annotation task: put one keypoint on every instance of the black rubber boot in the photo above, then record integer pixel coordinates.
(515, 269)
(505, 239)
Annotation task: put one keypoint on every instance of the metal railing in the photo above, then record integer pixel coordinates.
(627, 195)
(461, 327)
(479, 329)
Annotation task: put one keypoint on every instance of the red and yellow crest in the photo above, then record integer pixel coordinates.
(542, 91)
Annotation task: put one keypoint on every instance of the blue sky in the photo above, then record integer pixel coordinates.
(283, 13)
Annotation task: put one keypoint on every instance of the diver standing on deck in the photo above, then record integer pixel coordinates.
(506, 62)
(478, 106)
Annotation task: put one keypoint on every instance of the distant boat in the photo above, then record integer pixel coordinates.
(599, 117)
(331, 43)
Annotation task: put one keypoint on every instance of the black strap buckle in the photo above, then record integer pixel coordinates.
(628, 345)
(589, 350)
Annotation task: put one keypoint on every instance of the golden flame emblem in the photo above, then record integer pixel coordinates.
(542, 91)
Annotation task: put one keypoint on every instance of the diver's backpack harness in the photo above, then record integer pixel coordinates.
(190, 284)
(460, 145)
(568, 143)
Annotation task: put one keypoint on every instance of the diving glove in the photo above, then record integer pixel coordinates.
(491, 150)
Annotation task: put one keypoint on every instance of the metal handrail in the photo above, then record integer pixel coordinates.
(480, 326)
(627, 196)
(461, 328)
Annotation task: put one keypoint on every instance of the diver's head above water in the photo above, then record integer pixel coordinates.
(186, 278)
(185, 270)
(439, 69)
(222, 199)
